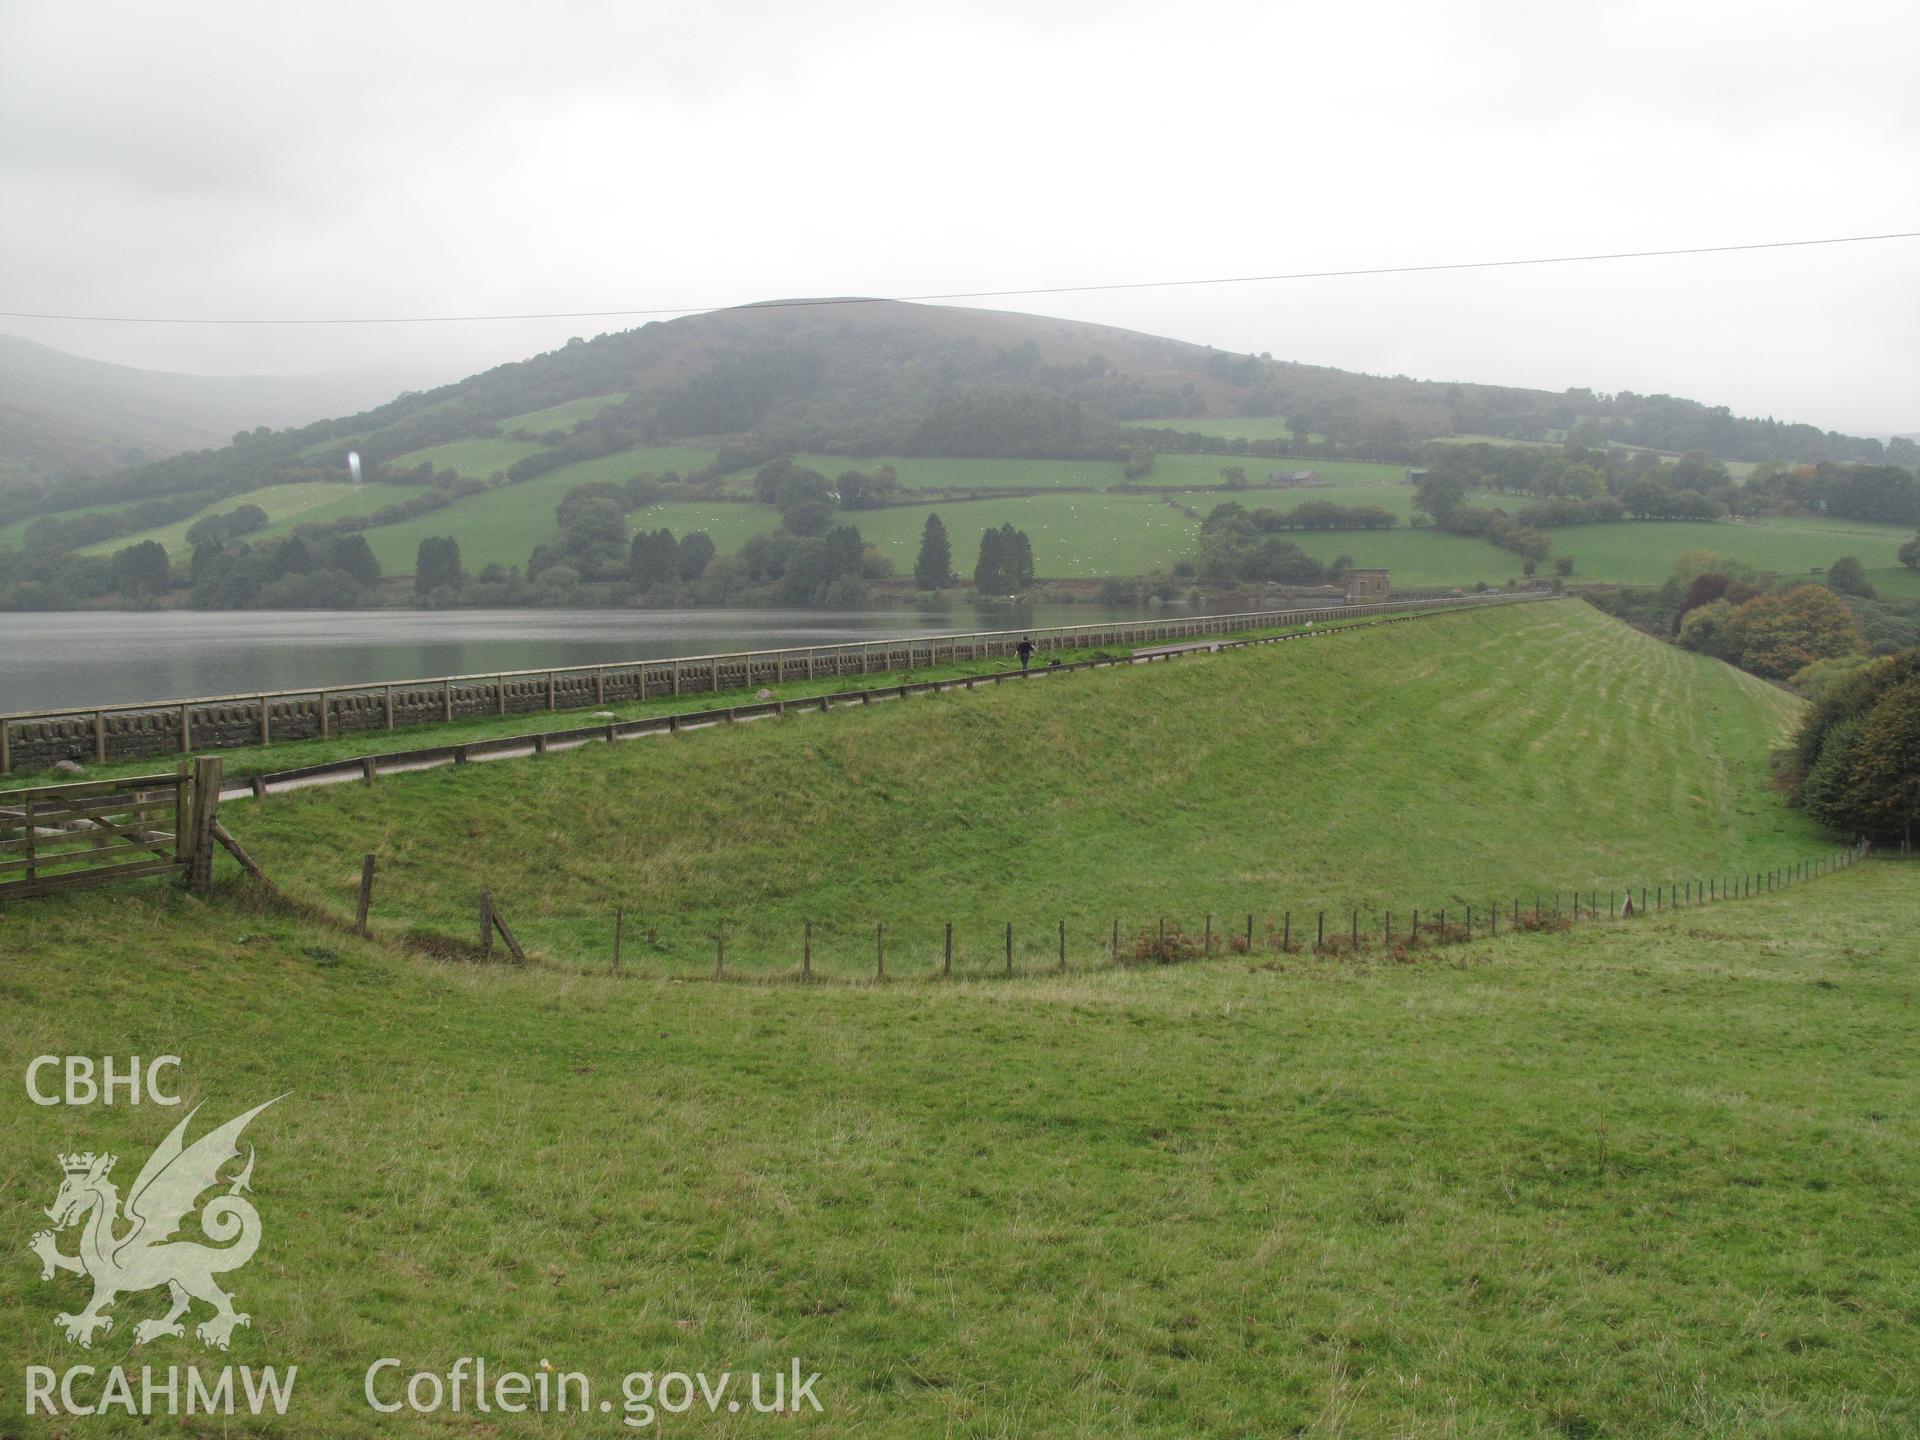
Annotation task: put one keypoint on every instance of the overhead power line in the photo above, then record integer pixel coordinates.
(631, 313)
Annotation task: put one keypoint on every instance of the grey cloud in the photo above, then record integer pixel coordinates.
(346, 159)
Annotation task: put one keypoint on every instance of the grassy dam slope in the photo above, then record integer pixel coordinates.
(1649, 1177)
(1462, 760)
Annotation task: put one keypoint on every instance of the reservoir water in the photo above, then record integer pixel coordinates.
(74, 658)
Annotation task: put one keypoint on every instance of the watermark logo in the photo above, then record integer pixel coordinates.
(124, 1252)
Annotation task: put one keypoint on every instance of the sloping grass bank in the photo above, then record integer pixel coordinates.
(1650, 1179)
(1467, 759)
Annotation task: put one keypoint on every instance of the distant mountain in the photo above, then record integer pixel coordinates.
(62, 416)
(874, 377)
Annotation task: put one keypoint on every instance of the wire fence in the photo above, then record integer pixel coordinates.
(927, 948)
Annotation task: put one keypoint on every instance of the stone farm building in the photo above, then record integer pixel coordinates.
(1364, 586)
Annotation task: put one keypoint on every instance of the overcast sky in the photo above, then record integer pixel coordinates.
(348, 159)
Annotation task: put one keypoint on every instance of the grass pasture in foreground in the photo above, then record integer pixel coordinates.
(1647, 1179)
(1550, 747)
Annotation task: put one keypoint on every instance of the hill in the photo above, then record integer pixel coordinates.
(1638, 1177)
(1046, 425)
(1553, 746)
(64, 417)
(879, 377)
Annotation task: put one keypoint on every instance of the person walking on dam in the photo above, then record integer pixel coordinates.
(1025, 651)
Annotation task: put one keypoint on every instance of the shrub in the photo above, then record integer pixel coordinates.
(1167, 945)
(1846, 576)
(1778, 634)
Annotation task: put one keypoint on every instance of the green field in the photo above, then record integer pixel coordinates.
(502, 525)
(311, 502)
(920, 473)
(1397, 499)
(564, 416)
(729, 524)
(1205, 470)
(10, 535)
(1074, 536)
(1107, 794)
(476, 459)
(1643, 552)
(1227, 427)
(1649, 1178)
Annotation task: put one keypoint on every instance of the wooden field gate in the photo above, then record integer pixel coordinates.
(96, 832)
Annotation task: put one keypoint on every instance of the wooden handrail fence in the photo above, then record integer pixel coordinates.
(370, 767)
(35, 738)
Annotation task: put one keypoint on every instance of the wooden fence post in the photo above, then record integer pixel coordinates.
(720, 951)
(946, 962)
(1009, 947)
(1206, 944)
(206, 810)
(366, 896)
(619, 920)
(880, 950)
(1063, 945)
(486, 924)
(806, 952)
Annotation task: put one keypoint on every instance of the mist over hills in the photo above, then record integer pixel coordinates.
(64, 416)
(845, 376)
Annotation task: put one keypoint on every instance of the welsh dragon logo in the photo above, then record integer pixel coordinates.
(123, 1254)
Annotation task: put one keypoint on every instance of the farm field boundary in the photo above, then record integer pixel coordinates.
(937, 952)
